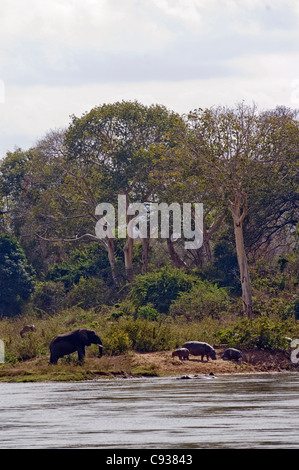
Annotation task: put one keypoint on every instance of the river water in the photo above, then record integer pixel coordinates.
(230, 411)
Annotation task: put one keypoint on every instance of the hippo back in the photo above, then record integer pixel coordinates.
(198, 348)
(232, 353)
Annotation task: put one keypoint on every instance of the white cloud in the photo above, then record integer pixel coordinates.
(63, 57)
(101, 25)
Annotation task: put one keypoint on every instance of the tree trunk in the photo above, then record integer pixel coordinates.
(111, 257)
(145, 246)
(242, 261)
(128, 253)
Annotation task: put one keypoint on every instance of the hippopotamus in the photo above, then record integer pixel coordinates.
(197, 348)
(182, 353)
(232, 354)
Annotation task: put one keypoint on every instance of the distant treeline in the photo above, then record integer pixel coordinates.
(241, 163)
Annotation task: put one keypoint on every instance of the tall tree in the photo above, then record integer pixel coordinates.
(16, 276)
(124, 143)
(232, 151)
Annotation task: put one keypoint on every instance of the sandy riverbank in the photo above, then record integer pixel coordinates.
(253, 361)
(144, 364)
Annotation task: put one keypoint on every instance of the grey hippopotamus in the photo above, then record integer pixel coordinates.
(197, 348)
(182, 353)
(232, 354)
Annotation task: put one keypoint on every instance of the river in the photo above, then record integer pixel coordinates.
(230, 411)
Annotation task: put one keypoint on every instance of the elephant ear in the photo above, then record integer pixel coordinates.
(84, 337)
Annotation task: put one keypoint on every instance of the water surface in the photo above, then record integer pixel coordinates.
(233, 411)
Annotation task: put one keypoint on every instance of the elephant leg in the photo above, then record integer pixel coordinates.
(53, 358)
(81, 353)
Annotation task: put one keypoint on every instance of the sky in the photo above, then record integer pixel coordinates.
(63, 57)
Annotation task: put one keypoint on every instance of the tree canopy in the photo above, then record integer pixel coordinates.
(241, 163)
(16, 276)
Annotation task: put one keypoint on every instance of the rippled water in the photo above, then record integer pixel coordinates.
(240, 411)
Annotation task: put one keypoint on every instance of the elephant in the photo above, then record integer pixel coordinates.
(197, 348)
(27, 328)
(67, 343)
(181, 353)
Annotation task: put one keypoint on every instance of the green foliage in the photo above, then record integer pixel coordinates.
(261, 333)
(90, 261)
(293, 309)
(116, 341)
(148, 336)
(160, 288)
(204, 299)
(16, 276)
(88, 293)
(48, 297)
(224, 269)
(148, 313)
(28, 347)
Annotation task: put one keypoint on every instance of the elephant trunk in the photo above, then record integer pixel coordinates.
(100, 350)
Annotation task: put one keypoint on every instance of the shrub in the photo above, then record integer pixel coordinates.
(261, 333)
(293, 308)
(90, 261)
(148, 313)
(28, 347)
(88, 293)
(16, 276)
(159, 288)
(224, 269)
(48, 297)
(147, 336)
(204, 299)
(116, 341)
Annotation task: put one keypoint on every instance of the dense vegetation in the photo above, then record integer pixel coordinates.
(240, 287)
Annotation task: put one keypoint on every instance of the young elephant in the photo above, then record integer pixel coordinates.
(76, 340)
(182, 353)
(232, 354)
(196, 348)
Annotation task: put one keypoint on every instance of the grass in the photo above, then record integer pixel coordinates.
(27, 359)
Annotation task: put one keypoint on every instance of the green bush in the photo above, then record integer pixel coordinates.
(88, 293)
(87, 262)
(224, 269)
(116, 341)
(204, 299)
(48, 297)
(293, 308)
(159, 288)
(261, 333)
(28, 347)
(148, 313)
(148, 336)
(16, 276)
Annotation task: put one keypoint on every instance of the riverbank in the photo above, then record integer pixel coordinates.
(133, 364)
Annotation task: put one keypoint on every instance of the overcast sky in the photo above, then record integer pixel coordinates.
(63, 57)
